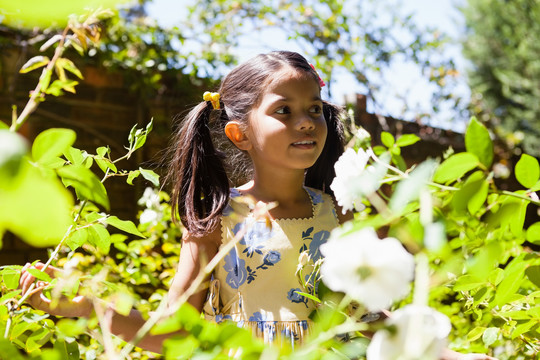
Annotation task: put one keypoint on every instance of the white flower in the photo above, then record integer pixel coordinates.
(353, 180)
(150, 198)
(148, 216)
(362, 134)
(420, 333)
(372, 271)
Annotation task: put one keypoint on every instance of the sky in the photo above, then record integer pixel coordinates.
(403, 83)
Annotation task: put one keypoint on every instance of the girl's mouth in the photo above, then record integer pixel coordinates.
(306, 144)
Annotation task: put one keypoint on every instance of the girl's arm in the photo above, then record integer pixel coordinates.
(195, 252)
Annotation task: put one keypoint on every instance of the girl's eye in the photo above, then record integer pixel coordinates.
(316, 109)
(283, 110)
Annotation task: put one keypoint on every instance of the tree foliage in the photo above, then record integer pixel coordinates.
(503, 45)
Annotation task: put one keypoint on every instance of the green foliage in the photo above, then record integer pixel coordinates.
(484, 271)
(502, 43)
(339, 35)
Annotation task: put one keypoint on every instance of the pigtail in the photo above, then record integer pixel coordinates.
(200, 186)
(322, 173)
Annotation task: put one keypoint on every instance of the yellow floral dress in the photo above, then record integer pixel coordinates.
(256, 280)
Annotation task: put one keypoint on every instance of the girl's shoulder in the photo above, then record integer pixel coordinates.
(319, 196)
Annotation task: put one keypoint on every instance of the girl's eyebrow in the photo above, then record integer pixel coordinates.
(283, 98)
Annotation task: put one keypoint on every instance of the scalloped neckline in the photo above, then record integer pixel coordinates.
(313, 207)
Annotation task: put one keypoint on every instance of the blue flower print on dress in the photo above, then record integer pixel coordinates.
(316, 198)
(233, 193)
(256, 235)
(295, 297)
(318, 239)
(270, 259)
(252, 274)
(236, 268)
(259, 318)
(220, 318)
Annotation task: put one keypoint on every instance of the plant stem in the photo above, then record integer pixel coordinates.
(33, 103)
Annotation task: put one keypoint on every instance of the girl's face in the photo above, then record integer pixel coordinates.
(287, 129)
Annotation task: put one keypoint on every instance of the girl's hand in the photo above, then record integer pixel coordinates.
(77, 307)
(453, 355)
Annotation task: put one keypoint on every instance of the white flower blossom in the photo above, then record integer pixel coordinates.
(148, 216)
(150, 198)
(420, 333)
(362, 134)
(372, 271)
(354, 180)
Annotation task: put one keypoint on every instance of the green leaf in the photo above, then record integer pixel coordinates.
(103, 151)
(105, 164)
(399, 161)
(9, 295)
(46, 197)
(74, 156)
(123, 303)
(123, 225)
(485, 261)
(150, 176)
(86, 184)
(51, 143)
(467, 282)
(533, 273)
(11, 278)
(523, 328)
(132, 175)
(99, 237)
(58, 87)
(407, 139)
(513, 277)
(37, 339)
(68, 348)
(40, 275)
(517, 220)
(475, 333)
(71, 328)
(149, 126)
(378, 150)
(69, 66)
(478, 142)
(387, 139)
(9, 351)
(455, 167)
(472, 195)
(490, 336)
(527, 171)
(533, 233)
(4, 125)
(309, 296)
(34, 63)
(77, 238)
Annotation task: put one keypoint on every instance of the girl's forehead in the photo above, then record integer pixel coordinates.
(292, 80)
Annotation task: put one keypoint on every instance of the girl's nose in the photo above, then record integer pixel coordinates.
(306, 122)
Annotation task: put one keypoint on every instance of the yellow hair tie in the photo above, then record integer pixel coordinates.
(213, 98)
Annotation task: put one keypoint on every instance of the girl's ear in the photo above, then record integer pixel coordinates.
(237, 136)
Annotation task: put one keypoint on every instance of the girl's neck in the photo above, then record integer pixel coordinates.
(285, 189)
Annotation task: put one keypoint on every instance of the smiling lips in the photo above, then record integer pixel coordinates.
(306, 144)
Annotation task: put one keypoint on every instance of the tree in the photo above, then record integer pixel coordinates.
(503, 43)
(360, 37)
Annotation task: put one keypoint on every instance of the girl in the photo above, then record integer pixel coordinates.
(269, 111)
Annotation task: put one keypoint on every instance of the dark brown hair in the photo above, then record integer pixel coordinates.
(198, 174)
